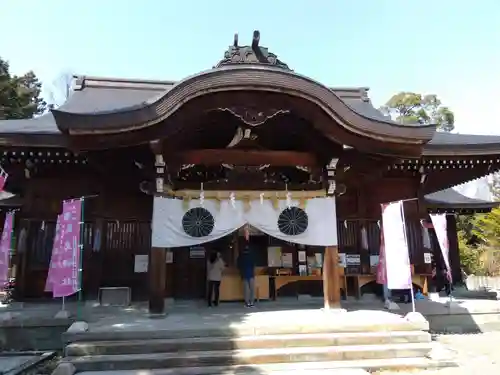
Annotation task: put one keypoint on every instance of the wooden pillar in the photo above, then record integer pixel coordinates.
(157, 279)
(331, 284)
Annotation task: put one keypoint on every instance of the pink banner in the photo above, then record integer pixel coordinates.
(397, 260)
(440, 227)
(66, 264)
(55, 252)
(5, 247)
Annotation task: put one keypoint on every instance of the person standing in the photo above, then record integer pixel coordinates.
(215, 267)
(246, 265)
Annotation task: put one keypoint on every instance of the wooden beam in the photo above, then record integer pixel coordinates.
(246, 157)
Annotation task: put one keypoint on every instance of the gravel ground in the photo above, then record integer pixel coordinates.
(476, 354)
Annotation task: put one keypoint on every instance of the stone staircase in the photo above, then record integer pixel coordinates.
(319, 346)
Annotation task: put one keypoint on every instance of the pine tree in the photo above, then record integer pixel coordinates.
(19, 95)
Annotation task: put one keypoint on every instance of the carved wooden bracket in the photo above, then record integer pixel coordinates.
(252, 116)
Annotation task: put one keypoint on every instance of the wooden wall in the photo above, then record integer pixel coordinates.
(121, 213)
(361, 209)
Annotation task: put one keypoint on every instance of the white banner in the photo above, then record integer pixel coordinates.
(397, 260)
(440, 227)
(168, 231)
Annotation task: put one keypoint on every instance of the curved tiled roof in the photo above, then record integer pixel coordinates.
(249, 79)
(111, 95)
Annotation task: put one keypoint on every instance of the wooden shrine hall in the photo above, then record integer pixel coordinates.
(250, 129)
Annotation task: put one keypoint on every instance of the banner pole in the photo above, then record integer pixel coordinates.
(11, 251)
(403, 200)
(412, 294)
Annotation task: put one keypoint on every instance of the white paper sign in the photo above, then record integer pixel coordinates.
(169, 257)
(302, 256)
(342, 260)
(302, 270)
(427, 258)
(319, 259)
(353, 259)
(287, 260)
(374, 259)
(196, 252)
(141, 264)
(274, 256)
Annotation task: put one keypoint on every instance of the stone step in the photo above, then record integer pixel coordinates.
(249, 356)
(284, 328)
(296, 368)
(86, 348)
(246, 370)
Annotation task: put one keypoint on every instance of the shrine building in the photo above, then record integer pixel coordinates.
(172, 171)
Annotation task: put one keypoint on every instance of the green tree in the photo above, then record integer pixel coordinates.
(465, 226)
(470, 256)
(486, 227)
(479, 238)
(413, 108)
(20, 96)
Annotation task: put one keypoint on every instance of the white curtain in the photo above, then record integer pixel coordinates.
(167, 221)
(229, 216)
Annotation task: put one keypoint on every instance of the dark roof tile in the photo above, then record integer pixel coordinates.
(450, 198)
(43, 124)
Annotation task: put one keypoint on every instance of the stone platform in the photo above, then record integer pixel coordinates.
(253, 342)
(34, 326)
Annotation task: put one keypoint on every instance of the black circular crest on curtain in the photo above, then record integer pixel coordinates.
(198, 222)
(293, 221)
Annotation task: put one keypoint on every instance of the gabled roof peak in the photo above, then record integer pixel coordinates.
(253, 54)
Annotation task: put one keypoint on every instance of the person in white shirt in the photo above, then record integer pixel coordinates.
(215, 267)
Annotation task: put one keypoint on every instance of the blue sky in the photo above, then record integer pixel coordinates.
(450, 48)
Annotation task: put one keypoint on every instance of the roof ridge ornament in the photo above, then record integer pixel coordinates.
(254, 54)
